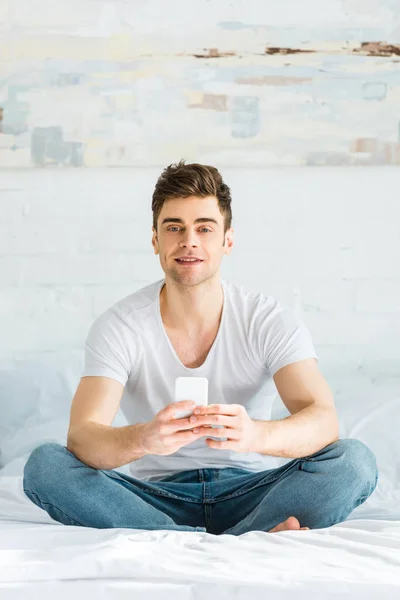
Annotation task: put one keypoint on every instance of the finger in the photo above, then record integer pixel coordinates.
(171, 409)
(226, 421)
(182, 402)
(176, 425)
(188, 422)
(217, 409)
(185, 436)
(220, 445)
(231, 435)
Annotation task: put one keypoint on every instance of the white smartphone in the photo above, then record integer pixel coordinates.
(195, 389)
(191, 388)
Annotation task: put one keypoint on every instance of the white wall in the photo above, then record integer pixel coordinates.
(325, 242)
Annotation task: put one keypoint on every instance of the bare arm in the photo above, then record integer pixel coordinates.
(91, 438)
(309, 430)
(313, 423)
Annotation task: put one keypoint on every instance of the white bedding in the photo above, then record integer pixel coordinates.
(40, 558)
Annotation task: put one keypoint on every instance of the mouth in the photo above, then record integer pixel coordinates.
(188, 263)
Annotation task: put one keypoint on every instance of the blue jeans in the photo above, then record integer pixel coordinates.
(223, 500)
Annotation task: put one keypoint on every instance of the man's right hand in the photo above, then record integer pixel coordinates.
(165, 434)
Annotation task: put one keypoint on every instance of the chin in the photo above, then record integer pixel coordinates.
(189, 279)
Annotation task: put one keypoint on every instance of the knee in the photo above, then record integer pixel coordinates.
(43, 463)
(359, 463)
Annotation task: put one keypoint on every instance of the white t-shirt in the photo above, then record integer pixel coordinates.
(256, 337)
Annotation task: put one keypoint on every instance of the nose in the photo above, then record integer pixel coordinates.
(189, 238)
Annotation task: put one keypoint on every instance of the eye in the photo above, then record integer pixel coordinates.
(171, 228)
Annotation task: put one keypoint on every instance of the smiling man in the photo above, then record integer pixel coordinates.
(193, 323)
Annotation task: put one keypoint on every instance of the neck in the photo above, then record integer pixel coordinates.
(192, 309)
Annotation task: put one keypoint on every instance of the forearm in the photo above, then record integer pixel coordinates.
(105, 447)
(301, 434)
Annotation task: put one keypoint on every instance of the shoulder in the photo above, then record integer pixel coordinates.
(141, 298)
(251, 303)
(125, 314)
(262, 315)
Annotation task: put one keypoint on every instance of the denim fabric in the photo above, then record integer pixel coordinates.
(320, 490)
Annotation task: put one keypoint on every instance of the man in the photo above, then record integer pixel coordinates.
(193, 323)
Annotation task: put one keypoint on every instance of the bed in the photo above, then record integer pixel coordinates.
(41, 558)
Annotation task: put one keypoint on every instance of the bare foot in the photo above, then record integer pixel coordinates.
(290, 523)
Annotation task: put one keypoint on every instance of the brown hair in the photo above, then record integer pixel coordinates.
(180, 181)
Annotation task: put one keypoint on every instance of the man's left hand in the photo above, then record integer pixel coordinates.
(240, 430)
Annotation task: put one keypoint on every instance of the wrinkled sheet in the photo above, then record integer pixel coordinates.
(40, 558)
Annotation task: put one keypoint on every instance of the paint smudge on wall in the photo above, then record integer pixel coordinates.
(49, 148)
(377, 151)
(245, 116)
(285, 51)
(364, 145)
(213, 53)
(212, 101)
(378, 49)
(273, 80)
(374, 90)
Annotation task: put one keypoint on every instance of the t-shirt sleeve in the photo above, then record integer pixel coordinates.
(284, 339)
(110, 348)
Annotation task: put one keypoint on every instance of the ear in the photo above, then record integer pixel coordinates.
(229, 241)
(154, 241)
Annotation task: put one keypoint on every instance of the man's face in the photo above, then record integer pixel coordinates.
(180, 234)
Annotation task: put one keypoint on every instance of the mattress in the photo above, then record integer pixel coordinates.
(41, 558)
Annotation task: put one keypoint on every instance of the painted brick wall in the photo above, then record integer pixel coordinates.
(255, 83)
(237, 83)
(325, 242)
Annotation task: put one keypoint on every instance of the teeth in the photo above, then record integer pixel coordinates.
(188, 259)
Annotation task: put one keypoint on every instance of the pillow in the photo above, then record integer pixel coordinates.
(35, 401)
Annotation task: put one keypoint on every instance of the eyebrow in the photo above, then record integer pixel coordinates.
(178, 220)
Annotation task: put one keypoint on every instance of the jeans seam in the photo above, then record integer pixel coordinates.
(266, 479)
(53, 506)
(160, 492)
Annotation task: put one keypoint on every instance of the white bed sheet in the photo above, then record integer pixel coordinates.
(41, 558)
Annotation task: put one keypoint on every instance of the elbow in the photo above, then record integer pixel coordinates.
(71, 447)
(331, 427)
(337, 428)
(336, 433)
(71, 441)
